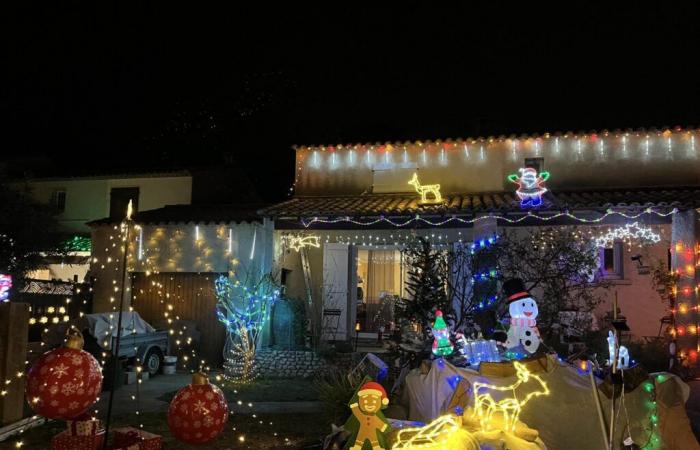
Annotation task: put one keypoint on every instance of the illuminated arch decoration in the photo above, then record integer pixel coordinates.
(530, 186)
(426, 189)
(486, 408)
(296, 243)
(630, 231)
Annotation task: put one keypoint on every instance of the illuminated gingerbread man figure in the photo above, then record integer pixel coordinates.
(530, 186)
(371, 399)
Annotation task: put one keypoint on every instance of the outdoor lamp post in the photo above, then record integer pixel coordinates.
(357, 333)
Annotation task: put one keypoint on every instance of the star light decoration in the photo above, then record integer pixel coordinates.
(296, 243)
(630, 231)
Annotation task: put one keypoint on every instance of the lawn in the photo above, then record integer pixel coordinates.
(287, 390)
(292, 390)
(294, 431)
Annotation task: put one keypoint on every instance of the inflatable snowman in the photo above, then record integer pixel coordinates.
(523, 312)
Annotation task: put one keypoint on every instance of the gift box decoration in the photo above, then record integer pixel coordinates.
(128, 436)
(65, 441)
(84, 425)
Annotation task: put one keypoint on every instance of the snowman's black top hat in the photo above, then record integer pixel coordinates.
(514, 289)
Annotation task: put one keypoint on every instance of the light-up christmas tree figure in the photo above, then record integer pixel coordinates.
(441, 345)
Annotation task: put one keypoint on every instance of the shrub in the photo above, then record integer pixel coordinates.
(335, 391)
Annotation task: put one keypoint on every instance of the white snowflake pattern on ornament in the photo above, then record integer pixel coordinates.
(54, 403)
(73, 405)
(209, 396)
(200, 407)
(214, 406)
(53, 390)
(186, 395)
(68, 389)
(60, 370)
(79, 373)
(80, 391)
(183, 407)
(208, 421)
(76, 360)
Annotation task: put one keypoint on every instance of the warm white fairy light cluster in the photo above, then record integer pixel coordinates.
(645, 145)
(631, 232)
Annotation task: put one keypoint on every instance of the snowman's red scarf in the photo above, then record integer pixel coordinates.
(531, 323)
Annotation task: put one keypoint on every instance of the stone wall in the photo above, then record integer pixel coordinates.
(297, 363)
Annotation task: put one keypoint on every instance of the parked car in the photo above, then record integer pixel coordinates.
(139, 340)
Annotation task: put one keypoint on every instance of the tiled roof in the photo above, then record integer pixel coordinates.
(192, 214)
(407, 204)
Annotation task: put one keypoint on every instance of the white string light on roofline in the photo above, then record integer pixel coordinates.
(627, 233)
(460, 220)
(645, 144)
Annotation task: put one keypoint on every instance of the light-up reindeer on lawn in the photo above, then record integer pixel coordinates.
(426, 189)
(485, 407)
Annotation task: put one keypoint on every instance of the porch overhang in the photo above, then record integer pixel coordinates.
(463, 209)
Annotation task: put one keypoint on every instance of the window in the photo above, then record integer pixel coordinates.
(535, 163)
(58, 200)
(380, 276)
(119, 200)
(611, 261)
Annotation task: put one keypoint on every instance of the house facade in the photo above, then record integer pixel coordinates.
(174, 255)
(79, 200)
(354, 208)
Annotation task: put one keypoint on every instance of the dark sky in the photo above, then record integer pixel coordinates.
(154, 85)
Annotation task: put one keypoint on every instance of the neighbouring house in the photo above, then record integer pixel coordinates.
(355, 205)
(81, 199)
(175, 253)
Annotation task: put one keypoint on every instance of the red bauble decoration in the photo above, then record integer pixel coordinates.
(64, 382)
(198, 413)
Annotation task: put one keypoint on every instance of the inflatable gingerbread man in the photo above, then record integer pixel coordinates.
(371, 399)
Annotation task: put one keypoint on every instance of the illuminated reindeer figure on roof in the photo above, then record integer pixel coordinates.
(426, 189)
(485, 407)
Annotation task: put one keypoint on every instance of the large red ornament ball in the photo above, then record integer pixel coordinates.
(198, 413)
(64, 382)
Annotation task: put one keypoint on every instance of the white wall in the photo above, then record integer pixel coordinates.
(89, 198)
(580, 161)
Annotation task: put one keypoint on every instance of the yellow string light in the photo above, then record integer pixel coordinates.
(443, 433)
(425, 189)
(485, 407)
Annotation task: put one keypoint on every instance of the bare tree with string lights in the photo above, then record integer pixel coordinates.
(244, 307)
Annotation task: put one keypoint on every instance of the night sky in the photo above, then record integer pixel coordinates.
(156, 86)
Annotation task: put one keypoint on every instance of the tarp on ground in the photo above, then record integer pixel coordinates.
(567, 418)
(101, 326)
